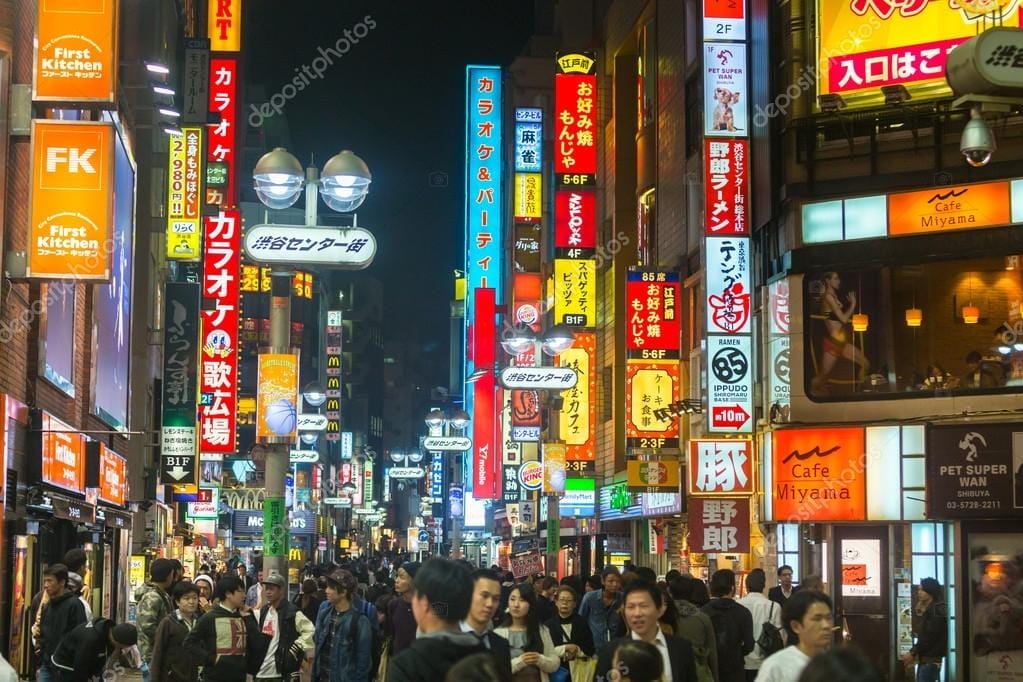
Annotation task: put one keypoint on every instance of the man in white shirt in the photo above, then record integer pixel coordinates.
(763, 610)
(290, 633)
(808, 620)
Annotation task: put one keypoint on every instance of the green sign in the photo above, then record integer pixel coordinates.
(275, 527)
(216, 174)
(553, 532)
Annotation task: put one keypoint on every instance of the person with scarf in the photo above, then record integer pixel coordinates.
(570, 632)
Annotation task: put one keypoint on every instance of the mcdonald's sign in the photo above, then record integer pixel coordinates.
(332, 356)
(333, 387)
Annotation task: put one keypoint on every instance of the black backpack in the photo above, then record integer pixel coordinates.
(727, 638)
(375, 645)
(770, 640)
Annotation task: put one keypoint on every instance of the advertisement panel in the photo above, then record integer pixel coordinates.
(653, 299)
(528, 140)
(277, 398)
(184, 195)
(578, 416)
(63, 455)
(219, 339)
(726, 96)
(206, 505)
(575, 292)
(580, 498)
(864, 45)
(778, 354)
(525, 415)
(975, 471)
(730, 383)
(76, 52)
(651, 386)
(654, 475)
(484, 439)
(818, 475)
(57, 346)
(729, 304)
(575, 116)
(720, 467)
(332, 368)
(727, 186)
(719, 525)
(575, 223)
(71, 200)
(113, 477)
(224, 25)
(222, 145)
(528, 196)
(554, 475)
(196, 89)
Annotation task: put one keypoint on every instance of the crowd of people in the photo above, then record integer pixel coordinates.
(402, 621)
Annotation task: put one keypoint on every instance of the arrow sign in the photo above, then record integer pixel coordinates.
(349, 248)
(729, 416)
(178, 470)
(447, 444)
(552, 378)
(312, 422)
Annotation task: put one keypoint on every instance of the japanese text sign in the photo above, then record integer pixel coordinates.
(730, 383)
(719, 525)
(720, 467)
(575, 115)
(63, 455)
(277, 398)
(726, 98)
(219, 351)
(818, 475)
(525, 415)
(651, 386)
(653, 304)
(76, 52)
(724, 19)
(863, 45)
(528, 140)
(961, 207)
(652, 476)
(184, 195)
(575, 292)
(71, 200)
(579, 411)
(222, 147)
(528, 196)
(113, 477)
(196, 89)
(486, 459)
(575, 223)
(729, 304)
(180, 367)
(727, 185)
(224, 25)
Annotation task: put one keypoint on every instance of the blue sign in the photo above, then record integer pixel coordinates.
(437, 476)
(250, 522)
(424, 536)
(456, 502)
(528, 140)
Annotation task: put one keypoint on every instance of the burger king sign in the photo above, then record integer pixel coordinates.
(531, 475)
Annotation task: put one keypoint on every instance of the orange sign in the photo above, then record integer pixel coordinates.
(71, 200)
(655, 475)
(277, 398)
(818, 475)
(63, 455)
(225, 25)
(578, 418)
(940, 209)
(76, 51)
(113, 477)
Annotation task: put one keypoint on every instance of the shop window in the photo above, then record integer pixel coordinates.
(910, 331)
(788, 547)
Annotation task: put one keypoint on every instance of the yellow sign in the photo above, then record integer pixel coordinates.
(225, 25)
(137, 571)
(658, 474)
(554, 468)
(864, 45)
(76, 51)
(940, 209)
(277, 398)
(578, 414)
(184, 189)
(528, 196)
(575, 292)
(650, 388)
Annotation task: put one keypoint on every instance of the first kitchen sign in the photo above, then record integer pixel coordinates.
(76, 52)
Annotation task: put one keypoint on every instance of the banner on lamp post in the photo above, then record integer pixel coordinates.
(277, 398)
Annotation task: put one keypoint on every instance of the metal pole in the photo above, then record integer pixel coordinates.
(553, 501)
(275, 517)
(456, 522)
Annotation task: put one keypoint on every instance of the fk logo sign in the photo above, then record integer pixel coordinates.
(77, 160)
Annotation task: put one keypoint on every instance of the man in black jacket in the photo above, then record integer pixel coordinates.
(781, 592)
(442, 599)
(643, 606)
(733, 627)
(486, 597)
(84, 651)
(62, 613)
(932, 641)
(287, 632)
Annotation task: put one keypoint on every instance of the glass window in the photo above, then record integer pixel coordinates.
(822, 222)
(866, 217)
(788, 548)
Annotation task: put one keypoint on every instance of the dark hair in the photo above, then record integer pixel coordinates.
(932, 587)
(533, 640)
(183, 589)
(646, 588)
(447, 585)
(756, 580)
(973, 356)
(594, 582)
(481, 667)
(56, 571)
(548, 582)
(570, 590)
(647, 574)
(309, 586)
(698, 593)
(785, 567)
(228, 585)
(160, 570)
(681, 587)
(642, 660)
(722, 582)
(841, 664)
(485, 574)
(672, 574)
(75, 559)
(670, 615)
(608, 570)
(797, 606)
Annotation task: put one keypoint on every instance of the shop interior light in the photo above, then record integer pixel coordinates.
(860, 322)
(170, 113)
(971, 314)
(914, 317)
(173, 131)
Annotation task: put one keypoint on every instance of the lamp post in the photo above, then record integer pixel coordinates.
(440, 424)
(553, 342)
(279, 180)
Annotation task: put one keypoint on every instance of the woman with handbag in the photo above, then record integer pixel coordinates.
(573, 641)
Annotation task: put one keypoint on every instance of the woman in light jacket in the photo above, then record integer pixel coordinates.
(532, 651)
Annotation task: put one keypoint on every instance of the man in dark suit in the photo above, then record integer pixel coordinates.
(486, 597)
(643, 605)
(781, 593)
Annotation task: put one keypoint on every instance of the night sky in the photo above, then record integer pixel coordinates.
(396, 99)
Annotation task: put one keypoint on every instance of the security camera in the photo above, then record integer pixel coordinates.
(978, 141)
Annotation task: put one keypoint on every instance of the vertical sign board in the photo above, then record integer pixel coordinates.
(778, 388)
(71, 200)
(224, 25)
(720, 467)
(184, 195)
(180, 375)
(728, 187)
(196, 89)
(483, 229)
(719, 525)
(726, 97)
(76, 52)
(730, 383)
(528, 140)
(578, 417)
(724, 20)
(219, 340)
(63, 455)
(651, 386)
(575, 119)
(221, 148)
(575, 223)
(277, 398)
(486, 458)
(575, 292)
(332, 356)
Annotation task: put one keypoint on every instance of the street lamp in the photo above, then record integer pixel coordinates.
(314, 394)
(440, 424)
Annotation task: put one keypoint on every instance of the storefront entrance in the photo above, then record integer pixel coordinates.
(862, 591)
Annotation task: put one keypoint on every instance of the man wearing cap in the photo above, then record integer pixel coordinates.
(343, 635)
(932, 640)
(286, 630)
(154, 603)
(84, 651)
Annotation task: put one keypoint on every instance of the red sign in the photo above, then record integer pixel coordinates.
(575, 123)
(575, 221)
(727, 186)
(654, 306)
(729, 416)
(525, 415)
(720, 467)
(63, 455)
(486, 460)
(218, 355)
(719, 525)
(222, 145)
(113, 477)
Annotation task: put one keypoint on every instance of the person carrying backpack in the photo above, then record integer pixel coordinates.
(694, 625)
(343, 635)
(733, 627)
(766, 622)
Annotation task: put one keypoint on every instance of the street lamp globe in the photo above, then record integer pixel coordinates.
(557, 339)
(459, 420)
(520, 339)
(435, 419)
(415, 455)
(349, 488)
(397, 456)
(278, 179)
(309, 437)
(314, 394)
(344, 182)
